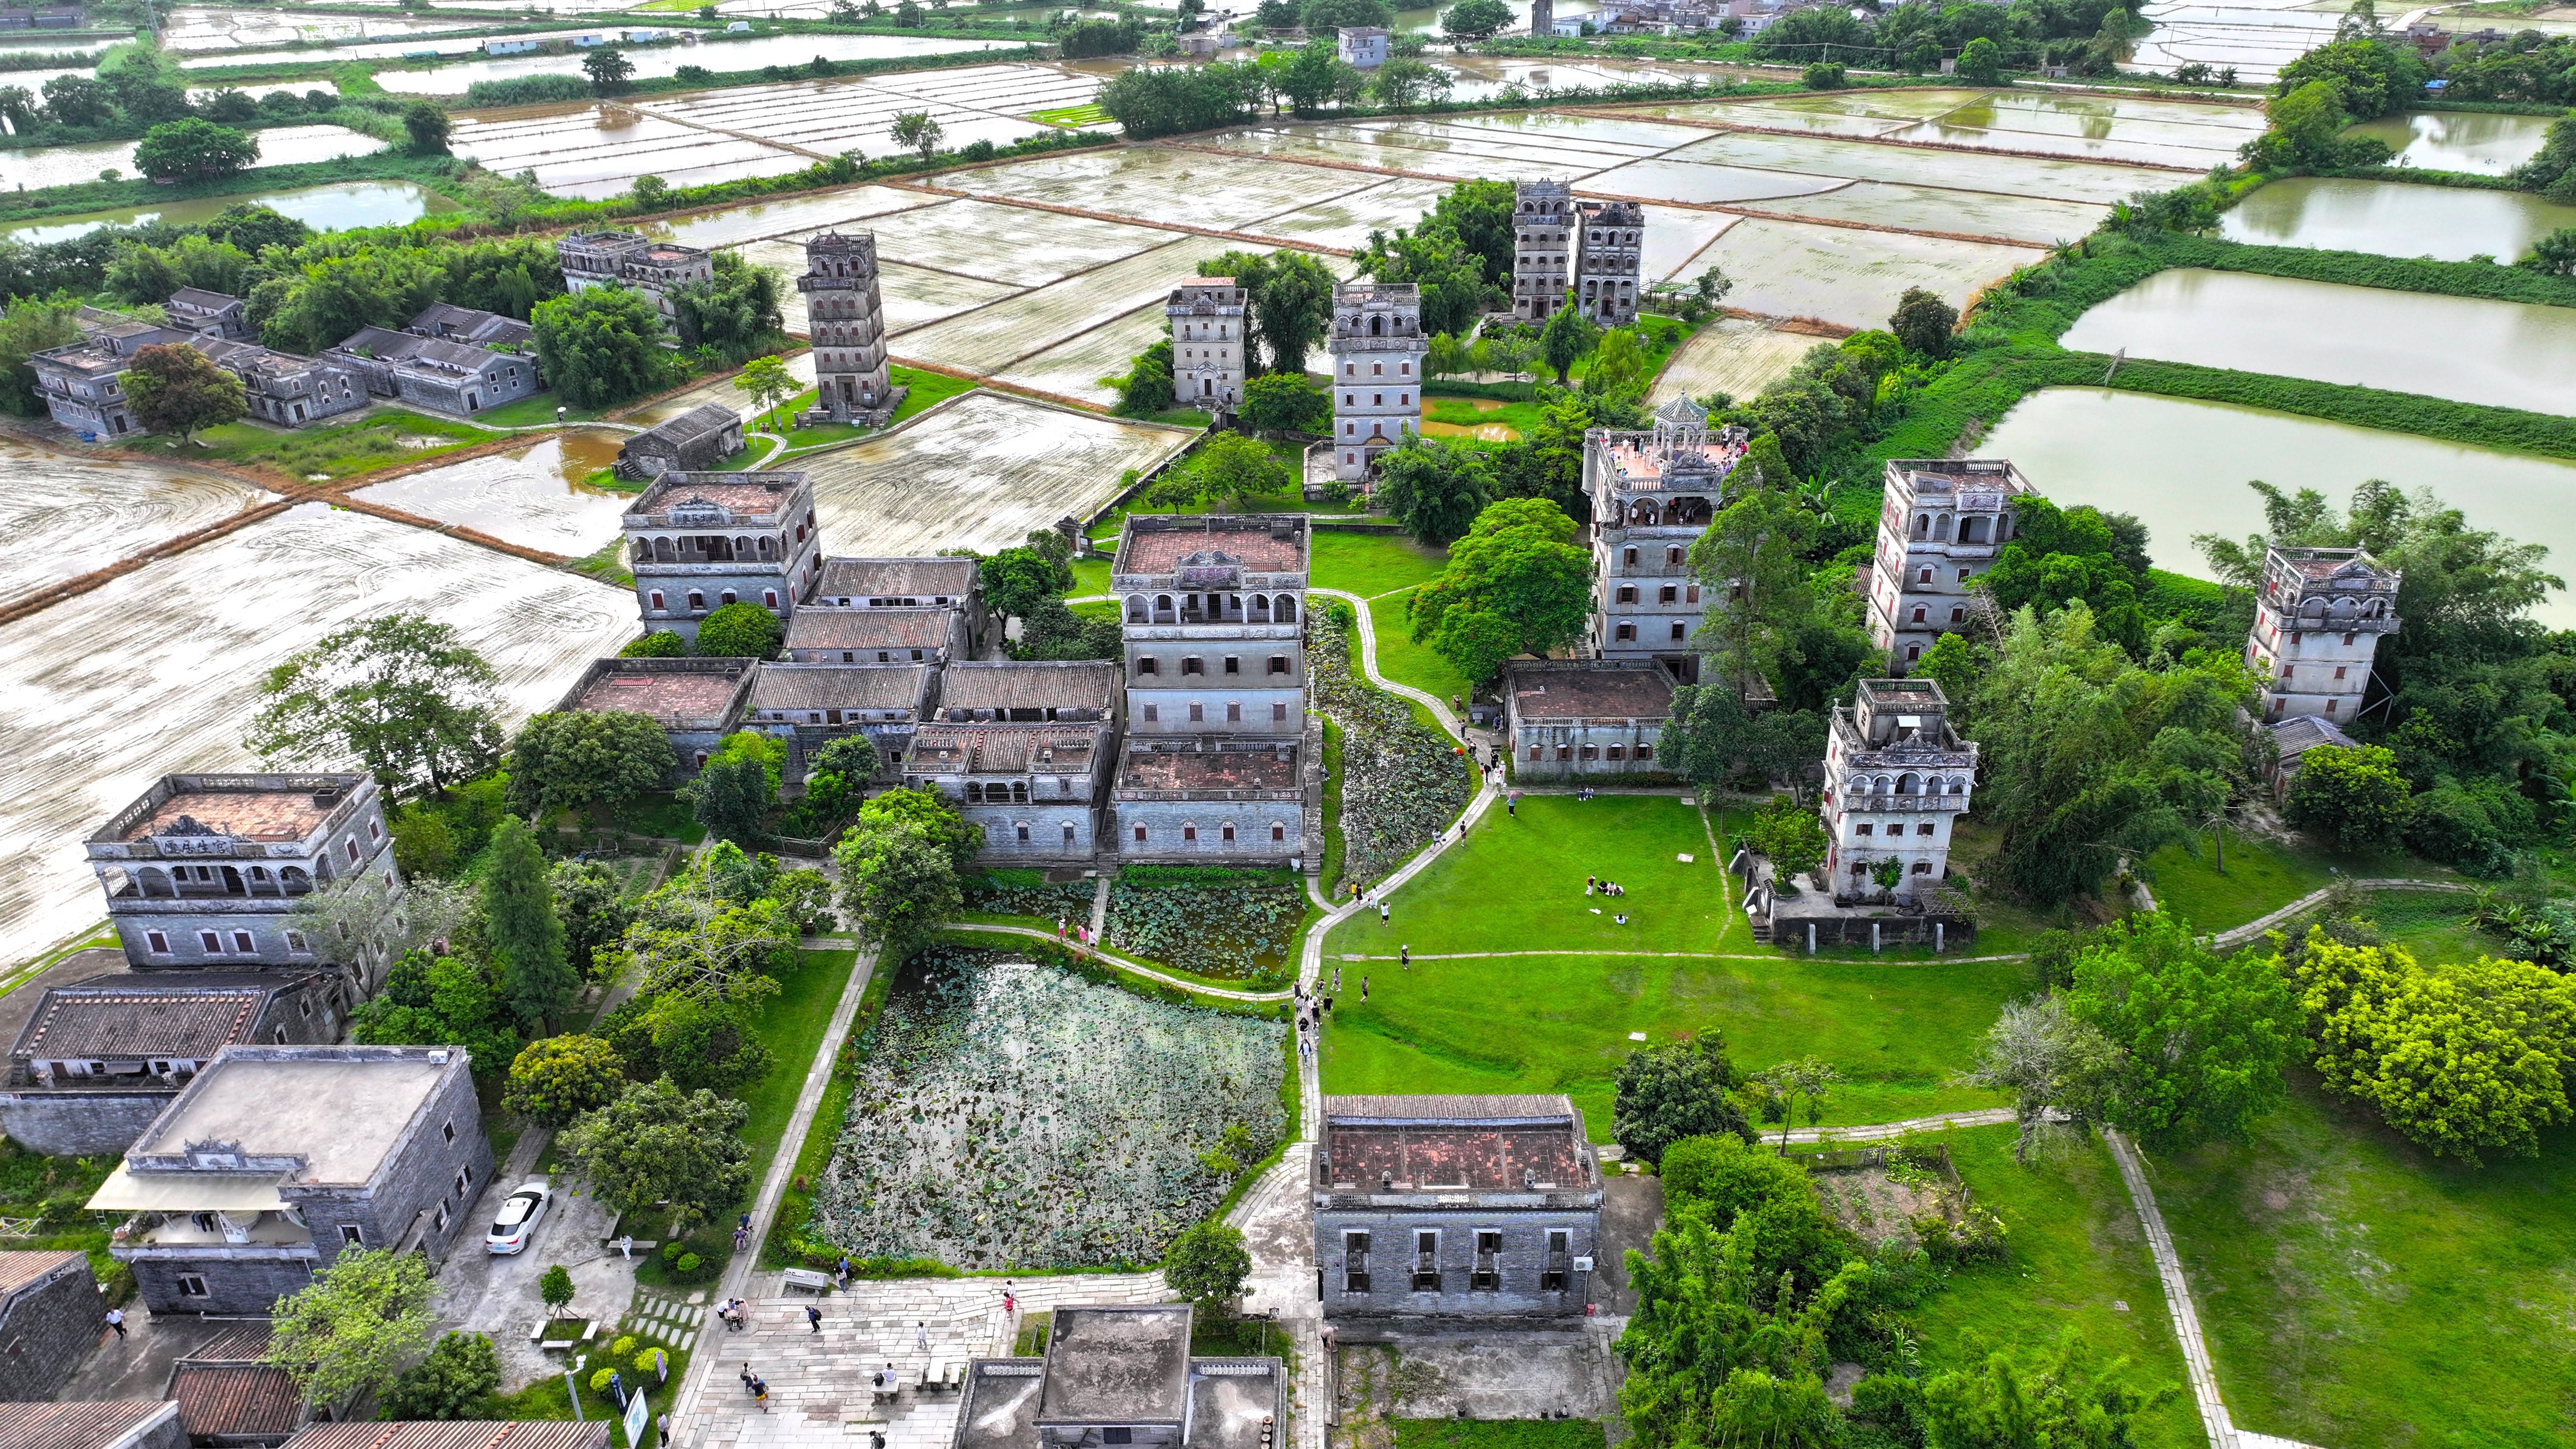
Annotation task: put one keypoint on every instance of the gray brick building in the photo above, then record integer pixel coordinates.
(1033, 789)
(1654, 491)
(702, 437)
(1222, 801)
(845, 318)
(699, 541)
(51, 1314)
(1543, 222)
(1122, 1376)
(459, 379)
(1432, 1208)
(217, 314)
(277, 1158)
(282, 388)
(878, 636)
(1592, 717)
(1609, 260)
(697, 702)
(811, 705)
(1213, 609)
(78, 381)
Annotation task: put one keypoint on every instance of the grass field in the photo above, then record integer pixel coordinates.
(2262, 876)
(1499, 1023)
(374, 440)
(1405, 662)
(2076, 1255)
(1369, 564)
(2355, 1291)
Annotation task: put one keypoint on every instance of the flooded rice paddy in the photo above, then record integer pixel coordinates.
(2459, 140)
(1737, 356)
(1849, 278)
(335, 207)
(58, 509)
(2394, 218)
(2507, 354)
(661, 60)
(2181, 467)
(278, 146)
(194, 28)
(535, 496)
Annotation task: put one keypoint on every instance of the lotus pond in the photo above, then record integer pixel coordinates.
(1011, 1115)
(1238, 925)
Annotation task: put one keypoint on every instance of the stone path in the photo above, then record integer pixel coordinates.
(1120, 962)
(2251, 930)
(668, 1321)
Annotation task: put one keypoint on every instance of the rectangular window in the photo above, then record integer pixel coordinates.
(1279, 713)
(1680, 630)
(1117, 1434)
(1534, 751)
(1565, 752)
(464, 1180)
(1278, 663)
(157, 943)
(1864, 829)
(1591, 752)
(242, 943)
(1426, 1262)
(350, 1236)
(192, 1285)
(213, 944)
(1669, 594)
(1153, 713)
(1624, 631)
(1627, 593)
(1618, 752)
(1198, 713)
(1233, 712)
(1355, 1250)
(1234, 664)
(1193, 664)
(1145, 664)
(1488, 1275)
(1645, 752)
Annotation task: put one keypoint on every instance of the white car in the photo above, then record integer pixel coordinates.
(519, 1218)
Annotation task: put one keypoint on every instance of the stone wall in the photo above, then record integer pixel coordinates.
(77, 1124)
(1165, 821)
(421, 1178)
(1391, 1258)
(239, 1280)
(49, 1327)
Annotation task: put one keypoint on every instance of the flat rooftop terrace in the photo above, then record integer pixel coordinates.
(1592, 693)
(1117, 1365)
(1258, 768)
(1260, 543)
(249, 814)
(695, 694)
(343, 1115)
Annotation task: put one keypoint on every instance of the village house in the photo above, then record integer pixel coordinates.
(1377, 347)
(906, 583)
(1238, 800)
(207, 871)
(630, 259)
(1119, 1375)
(845, 320)
(1941, 524)
(1211, 606)
(1543, 222)
(1362, 47)
(1653, 494)
(1210, 319)
(1032, 789)
(112, 1424)
(459, 379)
(450, 323)
(2292, 737)
(282, 388)
(215, 314)
(277, 1159)
(50, 1309)
(700, 438)
(1609, 261)
(78, 381)
(1584, 718)
(2318, 620)
(697, 702)
(699, 541)
(1431, 1208)
(877, 636)
(230, 1397)
(1035, 691)
(1897, 780)
(40, 17)
(811, 705)
(100, 1058)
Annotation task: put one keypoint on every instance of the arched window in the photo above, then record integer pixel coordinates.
(1918, 613)
(1287, 608)
(727, 596)
(1923, 525)
(697, 601)
(1278, 832)
(1136, 608)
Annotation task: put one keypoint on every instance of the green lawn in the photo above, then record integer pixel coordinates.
(1369, 564)
(2076, 1254)
(2262, 876)
(1499, 1023)
(1330, 874)
(2356, 1291)
(815, 1152)
(375, 440)
(1071, 116)
(792, 1025)
(1513, 419)
(1405, 662)
(1090, 576)
(535, 411)
(2433, 925)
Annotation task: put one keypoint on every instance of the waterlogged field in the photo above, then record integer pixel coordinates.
(1369, 147)
(1346, 220)
(2394, 219)
(1014, 1116)
(2459, 140)
(1849, 278)
(58, 509)
(1733, 355)
(830, 118)
(335, 207)
(989, 339)
(533, 497)
(2256, 40)
(595, 151)
(1075, 368)
(977, 472)
(911, 296)
(1912, 166)
(2178, 134)
(63, 165)
(1154, 183)
(2507, 354)
(1961, 213)
(161, 670)
(792, 216)
(200, 27)
(1700, 183)
(1016, 245)
(662, 60)
(2081, 445)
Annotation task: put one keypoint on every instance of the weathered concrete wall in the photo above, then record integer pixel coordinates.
(1521, 1261)
(237, 1279)
(77, 1124)
(1167, 823)
(49, 1327)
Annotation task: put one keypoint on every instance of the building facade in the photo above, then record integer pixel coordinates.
(1543, 228)
(1610, 261)
(50, 1312)
(1033, 789)
(697, 702)
(1430, 1208)
(700, 438)
(877, 636)
(79, 381)
(845, 316)
(1213, 637)
(283, 389)
(630, 259)
(700, 541)
(1232, 801)
(1362, 47)
(1653, 494)
(277, 1159)
(811, 705)
(906, 583)
(459, 379)
(1897, 779)
(450, 323)
(2318, 620)
(1113, 1376)
(1377, 348)
(214, 314)
(1209, 318)
(1599, 717)
(1941, 524)
(208, 871)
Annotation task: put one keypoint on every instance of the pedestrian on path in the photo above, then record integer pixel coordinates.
(747, 1379)
(1337, 978)
(813, 1319)
(760, 1392)
(1512, 806)
(116, 1320)
(921, 1336)
(1404, 956)
(662, 1428)
(626, 1245)
(1328, 1004)
(1381, 913)
(1010, 1300)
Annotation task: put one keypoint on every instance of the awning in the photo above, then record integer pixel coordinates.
(185, 1192)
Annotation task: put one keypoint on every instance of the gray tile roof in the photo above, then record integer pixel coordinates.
(1082, 684)
(897, 577)
(871, 628)
(840, 686)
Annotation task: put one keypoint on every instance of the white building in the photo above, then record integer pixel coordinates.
(1897, 779)
(1941, 523)
(1543, 222)
(1377, 348)
(1363, 47)
(2317, 623)
(1653, 494)
(1208, 319)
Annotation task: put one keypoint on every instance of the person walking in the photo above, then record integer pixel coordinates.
(1337, 978)
(1363, 988)
(1328, 1006)
(1381, 913)
(747, 1379)
(813, 1319)
(1010, 1300)
(1512, 806)
(921, 1336)
(1404, 956)
(116, 1320)
(760, 1392)
(662, 1428)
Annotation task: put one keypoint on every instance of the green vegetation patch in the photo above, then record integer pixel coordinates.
(1498, 1434)
(1406, 662)
(1082, 115)
(376, 440)
(1369, 564)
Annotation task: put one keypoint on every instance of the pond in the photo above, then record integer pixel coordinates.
(2506, 354)
(1010, 1115)
(2394, 219)
(278, 146)
(535, 496)
(2459, 140)
(336, 207)
(2182, 466)
(661, 60)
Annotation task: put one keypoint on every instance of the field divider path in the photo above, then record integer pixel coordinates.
(1886, 139)
(768, 142)
(1218, 232)
(2230, 939)
(1121, 963)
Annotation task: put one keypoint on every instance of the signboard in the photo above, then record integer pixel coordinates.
(639, 1412)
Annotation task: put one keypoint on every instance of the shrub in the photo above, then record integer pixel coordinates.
(1977, 1237)
(1728, 1175)
(689, 1265)
(1823, 76)
(527, 90)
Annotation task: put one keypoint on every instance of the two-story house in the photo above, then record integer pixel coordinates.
(699, 541)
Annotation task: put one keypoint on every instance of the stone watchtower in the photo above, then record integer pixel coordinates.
(1377, 347)
(2317, 624)
(1610, 261)
(1941, 523)
(1543, 223)
(845, 316)
(1653, 494)
(1208, 323)
(699, 541)
(1897, 779)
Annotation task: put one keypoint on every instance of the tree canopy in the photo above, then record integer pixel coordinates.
(656, 1143)
(1516, 584)
(361, 1321)
(585, 759)
(402, 694)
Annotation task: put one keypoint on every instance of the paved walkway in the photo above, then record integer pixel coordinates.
(1120, 962)
(2251, 930)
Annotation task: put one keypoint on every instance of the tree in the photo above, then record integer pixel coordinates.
(767, 382)
(405, 696)
(2063, 1396)
(2375, 76)
(1339, 14)
(555, 1290)
(2354, 794)
(362, 1320)
(2553, 255)
(1790, 837)
(1147, 387)
(193, 150)
(32, 325)
(426, 125)
(1710, 738)
(1207, 1264)
(1781, 1088)
(2304, 131)
(660, 644)
(590, 901)
(608, 69)
(1663, 1094)
(2203, 1039)
(557, 1078)
(587, 759)
(656, 1143)
(1286, 402)
(456, 1381)
(732, 797)
(174, 388)
(2052, 1063)
(916, 131)
(1751, 564)
(1399, 84)
(733, 311)
(1449, 275)
(1516, 584)
(78, 100)
(1016, 581)
(1435, 488)
(600, 346)
(1981, 62)
(739, 631)
(527, 941)
(1923, 323)
(254, 228)
(853, 757)
(1623, 365)
(1475, 19)
(1565, 339)
(1290, 295)
(899, 866)
(1229, 467)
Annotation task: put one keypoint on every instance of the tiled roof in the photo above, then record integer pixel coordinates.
(1590, 691)
(76, 1425)
(199, 297)
(703, 421)
(1511, 1107)
(244, 1342)
(2301, 733)
(871, 628)
(236, 1399)
(897, 577)
(1080, 684)
(1152, 765)
(17, 1270)
(147, 1015)
(456, 1434)
(839, 686)
(1263, 544)
(1004, 749)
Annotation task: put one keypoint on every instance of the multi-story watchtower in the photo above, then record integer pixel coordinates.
(1897, 779)
(699, 541)
(845, 317)
(1653, 493)
(1609, 261)
(1207, 318)
(1941, 523)
(1543, 222)
(2317, 625)
(1377, 346)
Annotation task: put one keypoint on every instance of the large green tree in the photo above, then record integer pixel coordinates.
(1433, 257)
(1751, 564)
(2354, 794)
(2205, 1038)
(1566, 337)
(403, 695)
(658, 1144)
(740, 630)
(174, 388)
(1016, 581)
(2065, 1397)
(363, 1319)
(1434, 487)
(601, 346)
(194, 150)
(1516, 584)
(900, 864)
(587, 759)
(2060, 1069)
(557, 1078)
(1207, 1264)
(456, 1381)
(1687, 1088)
(731, 797)
(527, 941)
(1710, 738)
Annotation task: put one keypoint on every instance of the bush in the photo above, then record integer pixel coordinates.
(660, 644)
(1977, 1237)
(1822, 76)
(740, 631)
(527, 90)
(1728, 1175)
(690, 1265)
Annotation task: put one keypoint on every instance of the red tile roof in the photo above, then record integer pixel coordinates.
(236, 1399)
